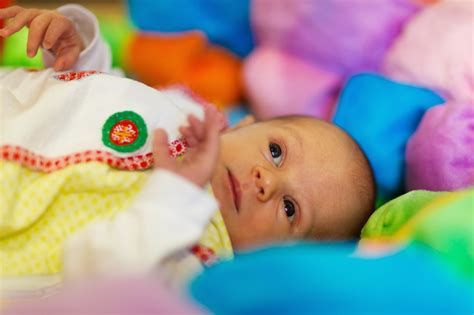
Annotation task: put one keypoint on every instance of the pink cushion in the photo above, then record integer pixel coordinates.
(440, 154)
(280, 84)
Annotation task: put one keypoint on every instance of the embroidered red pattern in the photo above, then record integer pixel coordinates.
(37, 162)
(205, 254)
(74, 75)
(124, 132)
(178, 147)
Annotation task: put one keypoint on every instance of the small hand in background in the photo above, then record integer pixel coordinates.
(47, 28)
(200, 160)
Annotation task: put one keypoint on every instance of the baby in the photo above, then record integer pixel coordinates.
(283, 179)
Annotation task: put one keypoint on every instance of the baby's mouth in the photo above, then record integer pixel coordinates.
(235, 188)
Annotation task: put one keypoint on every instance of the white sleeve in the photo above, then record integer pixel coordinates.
(96, 54)
(170, 215)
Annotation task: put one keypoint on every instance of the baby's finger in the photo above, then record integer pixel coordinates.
(188, 135)
(211, 119)
(212, 126)
(66, 57)
(160, 149)
(57, 28)
(197, 127)
(22, 19)
(37, 31)
(10, 12)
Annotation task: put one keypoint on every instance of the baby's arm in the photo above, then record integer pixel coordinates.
(96, 54)
(169, 215)
(70, 36)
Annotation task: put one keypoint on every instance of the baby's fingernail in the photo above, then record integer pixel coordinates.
(30, 53)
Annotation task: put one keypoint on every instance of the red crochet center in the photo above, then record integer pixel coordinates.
(41, 163)
(123, 133)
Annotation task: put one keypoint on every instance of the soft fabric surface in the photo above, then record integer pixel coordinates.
(390, 218)
(278, 83)
(381, 115)
(306, 50)
(440, 154)
(339, 35)
(65, 169)
(39, 211)
(327, 279)
(161, 60)
(225, 22)
(442, 221)
(436, 50)
(113, 296)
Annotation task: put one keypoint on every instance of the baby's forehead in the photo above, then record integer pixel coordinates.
(309, 128)
(304, 122)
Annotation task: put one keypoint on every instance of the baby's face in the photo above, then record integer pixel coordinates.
(277, 180)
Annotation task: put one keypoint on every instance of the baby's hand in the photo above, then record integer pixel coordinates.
(200, 161)
(50, 29)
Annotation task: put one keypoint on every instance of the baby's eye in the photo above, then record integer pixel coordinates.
(275, 151)
(289, 208)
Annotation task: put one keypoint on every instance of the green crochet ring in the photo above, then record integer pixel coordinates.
(124, 132)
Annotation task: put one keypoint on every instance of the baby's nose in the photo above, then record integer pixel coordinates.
(265, 183)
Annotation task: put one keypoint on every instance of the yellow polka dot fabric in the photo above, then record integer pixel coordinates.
(217, 238)
(39, 211)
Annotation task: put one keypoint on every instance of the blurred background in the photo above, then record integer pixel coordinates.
(201, 47)
(110, 12)
(379, 69)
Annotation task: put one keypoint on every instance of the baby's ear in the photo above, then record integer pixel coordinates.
(247, 120)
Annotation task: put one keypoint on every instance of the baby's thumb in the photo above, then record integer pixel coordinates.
(160, 148)
(66, 59)
(213, 127)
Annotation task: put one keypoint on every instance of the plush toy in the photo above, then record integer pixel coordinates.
(161, 60)
(306, 50)
(381, 115)
(439, 220)
(436, 50)
(440, 154)
(323, 279)
(199, 45)
(224, 22)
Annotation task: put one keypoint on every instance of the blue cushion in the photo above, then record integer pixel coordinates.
(328, 279)
(225, 22)
(381, 115)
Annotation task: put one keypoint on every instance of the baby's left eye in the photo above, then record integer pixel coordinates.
(275, 151)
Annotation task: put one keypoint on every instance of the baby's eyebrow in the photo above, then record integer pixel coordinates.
(294, 134)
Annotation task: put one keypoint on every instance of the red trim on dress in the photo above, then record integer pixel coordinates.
(41, 163)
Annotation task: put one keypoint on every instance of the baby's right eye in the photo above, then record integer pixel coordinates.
(289, 209)
(276, 153)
